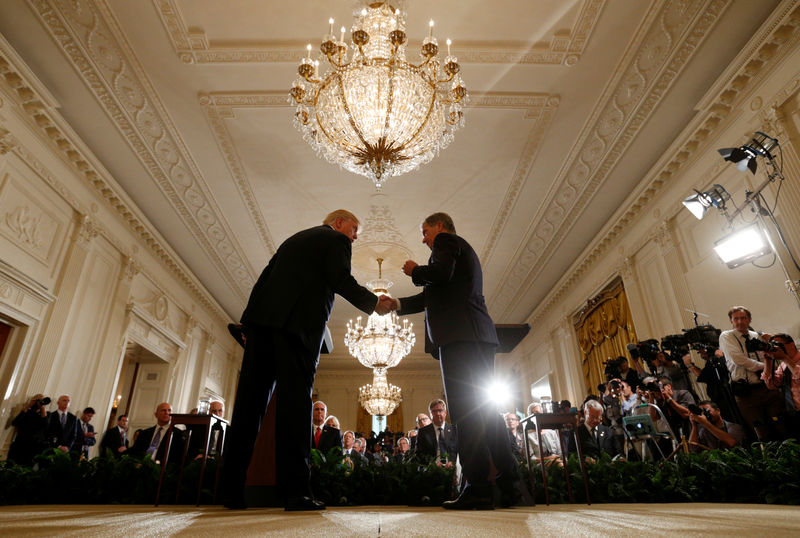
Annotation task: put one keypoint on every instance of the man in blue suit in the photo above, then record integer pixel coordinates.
(460, 329)
(283, 326)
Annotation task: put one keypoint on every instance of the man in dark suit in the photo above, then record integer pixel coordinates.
(438, 438)
(62, 426)
(594, 437)
(283, 326)
(459, 325)
(151, 441)
(115, 439)
(86, 437)
(323, 437)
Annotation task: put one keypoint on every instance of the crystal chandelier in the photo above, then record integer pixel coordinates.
(382, 342)
(380, 398)
(374, 113)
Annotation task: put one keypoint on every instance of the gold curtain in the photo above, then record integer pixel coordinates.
(604, 328)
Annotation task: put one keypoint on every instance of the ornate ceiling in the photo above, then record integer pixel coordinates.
(185, 103)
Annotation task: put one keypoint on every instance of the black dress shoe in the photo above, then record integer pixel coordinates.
(298, 504)
(471, 500)
(510, 495)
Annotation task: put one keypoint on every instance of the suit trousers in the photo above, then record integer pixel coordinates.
(467, 370)
(275, 364)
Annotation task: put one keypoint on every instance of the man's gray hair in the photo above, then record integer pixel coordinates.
(593, 404)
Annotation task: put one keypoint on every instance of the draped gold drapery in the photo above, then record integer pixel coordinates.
(604, 328)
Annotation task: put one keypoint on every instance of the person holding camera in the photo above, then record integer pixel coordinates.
(710, 431)
(758, 404)
(665, 366)
(30, 437)
(786, 375)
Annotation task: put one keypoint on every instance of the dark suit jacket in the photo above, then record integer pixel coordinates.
(452, 297)
(142, 443)
(82, 440)
(329, 438)
(295, 291)
(606, 442)
(426, 441)
(112, 440)
(57, 435)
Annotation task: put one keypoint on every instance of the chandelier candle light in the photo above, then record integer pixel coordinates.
(373, 112)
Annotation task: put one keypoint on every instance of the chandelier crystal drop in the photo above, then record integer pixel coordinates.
(382, 342)
(380, 398)
(373, 112)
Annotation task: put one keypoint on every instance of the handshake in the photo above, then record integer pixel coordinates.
(385, 305)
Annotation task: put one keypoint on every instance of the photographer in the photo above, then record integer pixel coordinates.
(757, 403)
(786, 375)
(714, 375)
(665, 366)
(30, 438)
(710, 431)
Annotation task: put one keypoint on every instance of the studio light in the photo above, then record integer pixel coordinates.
(742, 246)
(745, 156)
(700, 202)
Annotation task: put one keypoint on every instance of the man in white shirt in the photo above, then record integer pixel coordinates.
(757, 404)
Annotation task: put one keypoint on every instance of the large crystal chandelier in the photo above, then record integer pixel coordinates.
(373, 112)
(380, 398)
(382, 342)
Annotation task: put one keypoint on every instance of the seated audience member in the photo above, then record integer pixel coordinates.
(323, 436)
(115, 439)
(151, 441)
(422, 420)
(564, 406)
(29, 439)
(62, 426)
(785, 375)
(375, 454)
(86, 437)
(515, 435)
(438, 439)
(711, 431)
(360, 446)
(551, 443)
(333, 422)
(403, 450)
(349, 449)
(197, 440)
(594, 437)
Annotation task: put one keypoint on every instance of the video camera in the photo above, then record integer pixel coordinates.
(646, 350)
(612, 368)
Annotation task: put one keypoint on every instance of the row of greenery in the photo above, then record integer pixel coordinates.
(763, 473)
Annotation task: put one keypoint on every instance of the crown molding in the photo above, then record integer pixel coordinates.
(194, 47)
(40, 114)
(779, 35)
(90, 37)
(666, 41)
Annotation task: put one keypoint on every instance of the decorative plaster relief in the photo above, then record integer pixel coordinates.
(674, 35)
(29, 221)
(25, 226)
(194, 47)
(778, 37)
(91, 38)
(7, 141)
(51, 125)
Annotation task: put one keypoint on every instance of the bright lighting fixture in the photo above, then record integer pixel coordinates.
(498, 392)
(700, 202)
(745, 156)
(742, 246)
(374, 113)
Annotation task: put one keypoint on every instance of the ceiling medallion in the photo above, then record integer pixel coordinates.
(374, 113)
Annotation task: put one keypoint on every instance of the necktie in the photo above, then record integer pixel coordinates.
(124, 439)
(439, 440)
(316, 436)
(63, 419)
(154, 445)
